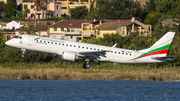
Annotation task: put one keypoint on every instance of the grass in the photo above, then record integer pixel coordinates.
(74, 71)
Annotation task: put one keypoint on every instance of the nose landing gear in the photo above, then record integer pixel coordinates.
(23, 51)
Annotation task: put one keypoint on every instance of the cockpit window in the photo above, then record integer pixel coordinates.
(18, 37)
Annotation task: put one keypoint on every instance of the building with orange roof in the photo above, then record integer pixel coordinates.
(68, 29)
(122, 27)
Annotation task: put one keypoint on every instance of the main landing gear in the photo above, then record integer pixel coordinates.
(87, 64)
(23, 51)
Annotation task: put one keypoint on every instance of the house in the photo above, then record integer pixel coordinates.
(52, 9)
(18, 1)
(89, 30)
(169, 22)
(68, 29)
(5, 1)
(43, 30)
(68, 4)
(122, 27)
(11, 25)
(8, 35)
(142, 2)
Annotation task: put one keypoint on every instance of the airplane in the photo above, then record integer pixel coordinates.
(73, 51)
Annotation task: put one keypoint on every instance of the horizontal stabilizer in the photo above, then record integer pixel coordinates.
(168, 58)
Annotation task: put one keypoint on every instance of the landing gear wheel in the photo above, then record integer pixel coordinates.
(86, 66)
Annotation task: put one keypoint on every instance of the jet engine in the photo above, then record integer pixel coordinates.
(69, 56)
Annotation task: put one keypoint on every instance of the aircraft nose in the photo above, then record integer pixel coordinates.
(8, 43)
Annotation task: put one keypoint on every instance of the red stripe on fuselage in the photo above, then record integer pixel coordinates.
(157, 52)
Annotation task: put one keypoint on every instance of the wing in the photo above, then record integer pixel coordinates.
(93, 55)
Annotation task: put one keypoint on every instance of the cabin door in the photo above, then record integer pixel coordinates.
(30, 40)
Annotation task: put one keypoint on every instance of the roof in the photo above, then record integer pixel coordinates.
(117, 20)
(39, 28)
(169, 22)
(71, 23)
(114, 25)
(3, 23)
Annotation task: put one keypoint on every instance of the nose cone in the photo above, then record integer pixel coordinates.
(8, 43)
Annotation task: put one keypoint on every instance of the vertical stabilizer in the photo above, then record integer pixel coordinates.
(163, 44)
(160, 48)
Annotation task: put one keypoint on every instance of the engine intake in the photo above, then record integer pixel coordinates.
(69, 56)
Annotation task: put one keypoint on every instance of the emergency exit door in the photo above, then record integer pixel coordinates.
(30, 40)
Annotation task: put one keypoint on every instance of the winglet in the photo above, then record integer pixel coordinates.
(114, 45)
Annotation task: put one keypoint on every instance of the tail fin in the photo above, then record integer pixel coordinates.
(161, 47)
(163, 44)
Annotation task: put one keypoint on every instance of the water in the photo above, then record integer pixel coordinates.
(54, 90)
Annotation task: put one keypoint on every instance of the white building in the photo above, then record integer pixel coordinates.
(12, 25)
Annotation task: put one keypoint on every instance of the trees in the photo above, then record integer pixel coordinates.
(166, 7)
(37, 5)
(2, 45)
(116, 9)
(151, 6)
(79, 12)
(152, 18)
(11, 8)
(28, 30)
(3, 10)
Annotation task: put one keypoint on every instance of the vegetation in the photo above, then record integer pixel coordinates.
(30, 29)
(11, 8)
(79, 12)
(105, 71)
(116, 9)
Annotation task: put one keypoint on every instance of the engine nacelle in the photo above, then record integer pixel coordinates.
(69, 56)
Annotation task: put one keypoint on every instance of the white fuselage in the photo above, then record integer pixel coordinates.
(57, 46)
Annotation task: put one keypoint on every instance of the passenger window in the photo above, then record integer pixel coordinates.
(44, 41)
(86, 47)
(123, 53)
(78, 46)
(98, 49)
(55, 43)
(94, 48)
(66, 44)
(48, 41)
(115, 52)
(74, 45)
(70, 45)
(130, 54)
(36, 40)
(126, 54)
(90, 48)
(119, 52)
(63, 44)
(40, 40)
(51, 42)
(111, 51)
(59, 43)
(83, 47)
